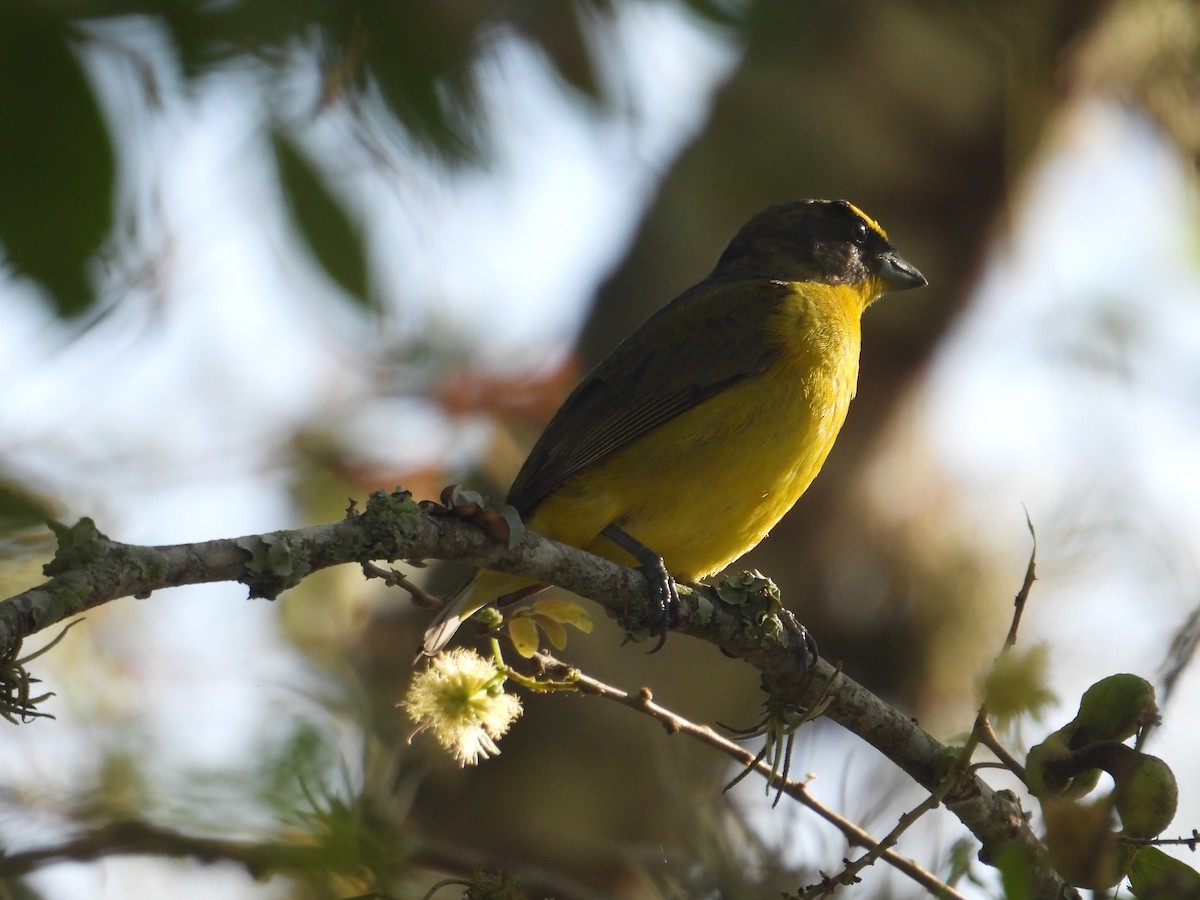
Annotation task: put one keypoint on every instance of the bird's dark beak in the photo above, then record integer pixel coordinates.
(898, 273)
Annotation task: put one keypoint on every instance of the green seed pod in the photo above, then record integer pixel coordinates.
(1114, 709)
(1146, 795)
(1040, 776)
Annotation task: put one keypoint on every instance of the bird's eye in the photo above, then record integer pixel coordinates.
(860, 233)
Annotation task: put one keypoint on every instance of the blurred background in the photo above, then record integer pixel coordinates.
(257, 257)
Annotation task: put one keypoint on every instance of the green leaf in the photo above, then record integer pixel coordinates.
(524, 635)
(1154, 875)
(555, 632)
(564, 611)
(333, 238)
(420, 60)
(1018, 684)
(56, 159)
(1016, 872)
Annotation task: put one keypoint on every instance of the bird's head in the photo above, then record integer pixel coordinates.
(826, 241)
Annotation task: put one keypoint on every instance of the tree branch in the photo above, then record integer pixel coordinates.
(90, 569)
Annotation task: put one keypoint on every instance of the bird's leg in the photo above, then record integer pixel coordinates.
(666, 597)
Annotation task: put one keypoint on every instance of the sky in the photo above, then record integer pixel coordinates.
(1070, 385)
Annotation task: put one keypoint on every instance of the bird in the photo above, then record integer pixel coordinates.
(684, 446)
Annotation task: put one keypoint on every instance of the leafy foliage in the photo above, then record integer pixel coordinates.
(415, 65)
(57, 167)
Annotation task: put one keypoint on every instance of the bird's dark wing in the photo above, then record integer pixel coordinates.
(673, 362)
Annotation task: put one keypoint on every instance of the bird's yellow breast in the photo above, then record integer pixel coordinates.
(705, 487)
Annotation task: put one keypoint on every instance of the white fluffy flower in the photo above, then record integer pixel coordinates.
(460, 699)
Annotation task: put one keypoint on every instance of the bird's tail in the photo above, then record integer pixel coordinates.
(457, 610)
(477, 593)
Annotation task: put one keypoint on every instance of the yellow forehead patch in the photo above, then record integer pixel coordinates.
(862, 215)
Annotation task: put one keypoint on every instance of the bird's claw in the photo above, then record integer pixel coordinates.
(805, 639)
(660, 615)
(663, 611)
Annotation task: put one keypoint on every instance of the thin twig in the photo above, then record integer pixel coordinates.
(982, 731)
(849, 874)
(674, 723)
(396, 578)
(1192, 842)
(987, 737)
(1023, 594)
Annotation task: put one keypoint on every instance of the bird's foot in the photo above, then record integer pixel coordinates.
(662, 612)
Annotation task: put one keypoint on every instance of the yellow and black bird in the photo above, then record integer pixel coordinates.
(702, 428)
